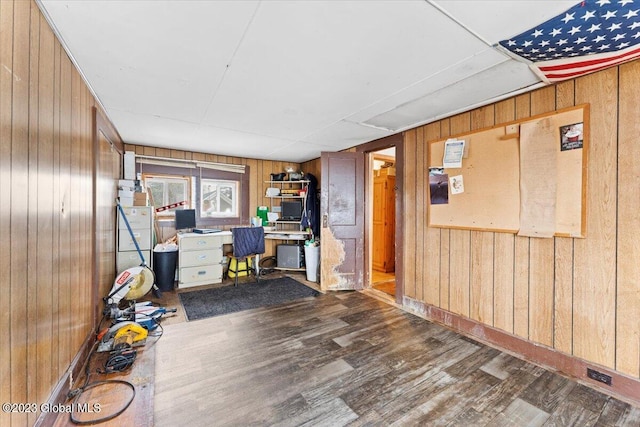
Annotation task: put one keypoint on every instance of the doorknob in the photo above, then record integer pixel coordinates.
(325, 221)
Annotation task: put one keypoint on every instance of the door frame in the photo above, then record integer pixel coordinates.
(397, 141)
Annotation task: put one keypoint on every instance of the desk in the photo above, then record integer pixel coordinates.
(201, 258)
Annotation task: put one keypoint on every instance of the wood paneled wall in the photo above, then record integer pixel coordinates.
(578, 296)
(259, 171)
(46, 166)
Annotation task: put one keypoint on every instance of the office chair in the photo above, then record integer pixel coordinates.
(248, 245)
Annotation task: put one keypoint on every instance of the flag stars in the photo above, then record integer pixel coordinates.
(634, 25)
(555, 32)
(609, 14)
(614, 26)
(562, 42)
(636, 35)
(574, 30)
(588, 15)
(568, 17)
(544, 43)
(622, 45)
(594, 27)
(631, 13)
(568, 49)
(604, 46)
(599, 39)
(602, 2)
(619, 36)
(585, 48)
(624, 2)
(511, 43)
(581, 40)
(537, 33)
(527, 43)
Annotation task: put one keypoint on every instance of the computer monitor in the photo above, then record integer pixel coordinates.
(291, 210)
(185, 219)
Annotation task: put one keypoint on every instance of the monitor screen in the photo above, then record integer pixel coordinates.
(292, 210)
(185, 219)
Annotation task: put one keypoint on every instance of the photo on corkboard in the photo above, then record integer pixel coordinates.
(571, 137)
(439, 189)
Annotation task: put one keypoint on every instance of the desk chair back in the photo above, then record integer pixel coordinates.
(248, 242)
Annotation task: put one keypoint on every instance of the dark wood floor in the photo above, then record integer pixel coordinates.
(349, 359)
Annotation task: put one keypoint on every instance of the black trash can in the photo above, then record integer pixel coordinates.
(164, 267)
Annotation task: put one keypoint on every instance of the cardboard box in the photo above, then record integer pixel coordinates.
(140, 199)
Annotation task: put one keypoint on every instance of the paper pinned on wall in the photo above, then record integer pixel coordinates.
(456, 184)
(453, 152)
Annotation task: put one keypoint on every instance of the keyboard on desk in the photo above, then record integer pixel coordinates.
(288, 218)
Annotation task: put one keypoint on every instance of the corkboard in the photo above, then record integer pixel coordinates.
(521, 177)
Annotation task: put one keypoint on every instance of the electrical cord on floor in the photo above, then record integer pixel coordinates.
(76, 393)
(267, 265)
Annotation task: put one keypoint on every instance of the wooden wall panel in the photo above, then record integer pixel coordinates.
(460, 245)
(32, 206)
(580, 296)
(521, 253)
(409, 214)
(6, 185)
(445, 241)
(563, 280)
(44, 209)
(482, 247)
(595, 257)
(541, 254)
(46, 217)
(432, 261)
(504, 245)
(628, 267)
(421, 200)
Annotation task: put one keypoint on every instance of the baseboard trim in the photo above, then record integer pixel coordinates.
(59, 393)
(622, 386)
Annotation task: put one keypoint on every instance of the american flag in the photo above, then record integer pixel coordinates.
(591, 36)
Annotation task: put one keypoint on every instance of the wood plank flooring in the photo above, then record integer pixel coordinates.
(349, 359)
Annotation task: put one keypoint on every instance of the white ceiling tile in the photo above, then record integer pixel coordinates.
(496, 20)
(332, 60)
(345, 134)
(504, 78)
(282, 80)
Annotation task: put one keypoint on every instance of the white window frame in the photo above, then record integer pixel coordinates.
(235, 195)
(186, 180)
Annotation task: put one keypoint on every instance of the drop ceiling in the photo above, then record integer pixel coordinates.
(286, 80)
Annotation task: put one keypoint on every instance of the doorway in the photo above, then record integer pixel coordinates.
(382, 179)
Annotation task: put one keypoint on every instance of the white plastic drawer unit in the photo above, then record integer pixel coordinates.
(198, 243)
(192, 258)
(200, 258)
(194, 276)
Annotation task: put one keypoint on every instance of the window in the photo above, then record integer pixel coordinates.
(218, 192)
(167, 190)
(218, 198)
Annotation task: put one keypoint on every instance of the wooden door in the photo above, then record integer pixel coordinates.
(342, 213)
(383, 251)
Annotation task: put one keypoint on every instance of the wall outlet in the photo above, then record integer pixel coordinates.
(598, 376)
